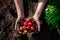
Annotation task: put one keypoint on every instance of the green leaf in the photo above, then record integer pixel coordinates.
(18, 25)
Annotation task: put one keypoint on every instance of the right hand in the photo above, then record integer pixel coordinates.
(19, 19)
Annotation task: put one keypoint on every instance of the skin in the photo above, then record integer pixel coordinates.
(36, 16)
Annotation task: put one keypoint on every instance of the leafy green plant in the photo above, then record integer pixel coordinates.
(52, 17)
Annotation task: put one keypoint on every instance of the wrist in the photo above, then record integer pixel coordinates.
(37, 15)
(36, 18)
(21, 16)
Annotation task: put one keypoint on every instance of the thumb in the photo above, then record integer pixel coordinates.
(38, 24)
(16, 27)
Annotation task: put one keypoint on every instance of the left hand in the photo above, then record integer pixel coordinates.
(38, 22)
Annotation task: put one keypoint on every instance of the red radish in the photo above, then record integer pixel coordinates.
(28, 27)
(25, 32)
(27, 19)
(21, 28)
(32, 19)
(22, 23)
(24, 27)
(32, 28)
(29, 23)
(25, 23)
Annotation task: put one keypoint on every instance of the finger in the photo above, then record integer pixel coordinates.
(16, 24)
(38, 24)
(34, 32)
(16, 27)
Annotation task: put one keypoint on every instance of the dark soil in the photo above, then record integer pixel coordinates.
(8, 17)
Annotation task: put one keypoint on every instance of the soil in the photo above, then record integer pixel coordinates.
(8, 16)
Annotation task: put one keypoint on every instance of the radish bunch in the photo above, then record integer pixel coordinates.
(27, 25)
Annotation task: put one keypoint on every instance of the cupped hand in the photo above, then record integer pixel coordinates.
(19, 19)
(38, 22)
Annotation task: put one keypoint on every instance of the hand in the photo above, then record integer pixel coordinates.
(19, 19)
(38, 22)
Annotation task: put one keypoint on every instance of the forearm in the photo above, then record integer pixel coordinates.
(19, 7)
(40, 8)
